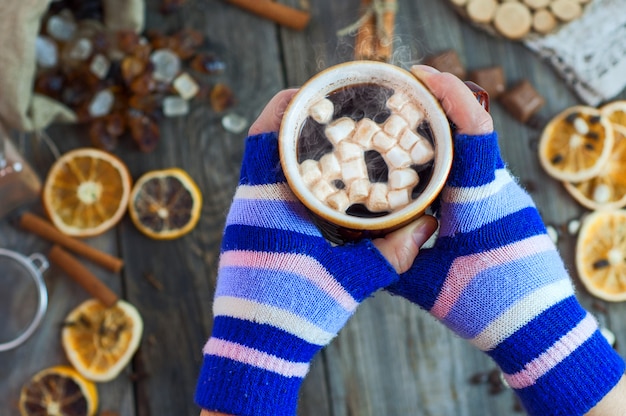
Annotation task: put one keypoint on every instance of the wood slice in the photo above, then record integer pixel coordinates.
(566, 10)
(537, 4)
(513, 20)
(482, 11)
(544, 21)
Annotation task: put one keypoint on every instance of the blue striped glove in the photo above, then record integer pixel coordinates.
(495, 278)
(283, 292)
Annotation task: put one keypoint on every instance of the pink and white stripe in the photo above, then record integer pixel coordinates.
(256, 358)
(553, 355)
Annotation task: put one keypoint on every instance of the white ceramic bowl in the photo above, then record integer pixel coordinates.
(339, 224)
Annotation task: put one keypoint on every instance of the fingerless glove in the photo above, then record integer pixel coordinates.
(495, 278)
(283, 292)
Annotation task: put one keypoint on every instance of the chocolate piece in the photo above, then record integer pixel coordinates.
(490, 79)
(522, 101)
(447, 61)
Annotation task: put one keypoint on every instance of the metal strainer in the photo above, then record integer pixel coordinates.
(23, 296)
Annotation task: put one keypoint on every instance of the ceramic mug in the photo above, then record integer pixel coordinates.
(356, 84)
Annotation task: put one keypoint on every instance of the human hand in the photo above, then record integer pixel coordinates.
(496, 279)
(283, 291)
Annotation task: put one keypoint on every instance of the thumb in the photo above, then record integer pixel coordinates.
(401, 246)
(270, 118)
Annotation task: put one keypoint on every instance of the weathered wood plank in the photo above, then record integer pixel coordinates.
(178, 319)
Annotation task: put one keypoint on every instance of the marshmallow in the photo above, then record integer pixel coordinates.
(397, 158)
(377, 200)
(340, 130)
(403, 178)
(365, 130)
(322, 111)
(382, 142)
(394, 125)
(397, 101)
(322, 190)
(359, 190)
(353, 170)
(412, 114)
(348, 151)
(408, 139)
(398, 198)
(331, 169)
(310, 172)
(339, 201)
(422, 152)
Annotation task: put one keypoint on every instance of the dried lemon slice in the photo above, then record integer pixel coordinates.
(86, 192)
(576, 144)
(58, 391)
(165, 204)
(615, 112)
(601, 254)
(607, 190)
(100, 341)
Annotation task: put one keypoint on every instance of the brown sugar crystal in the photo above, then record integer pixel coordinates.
(490, 79)
(447, 61)
(127, 41)
(522, 101)
(100, 137)
(221, 97)
(207, 63)
(144, 131)
(187, 42)
(132, 67)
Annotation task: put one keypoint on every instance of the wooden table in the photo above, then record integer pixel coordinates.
(392, 358)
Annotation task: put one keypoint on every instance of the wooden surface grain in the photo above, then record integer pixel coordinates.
(392, 358)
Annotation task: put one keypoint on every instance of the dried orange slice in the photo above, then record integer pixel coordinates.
(100, 341)
(607, 190)
(58, 391)
(601, 254)
(615, 112)
(86, 192)
(165, 204)
(576, 144)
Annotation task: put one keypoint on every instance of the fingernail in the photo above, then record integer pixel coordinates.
(426, 68)
(424, 229)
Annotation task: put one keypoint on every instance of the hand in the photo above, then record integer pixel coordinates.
(495, 278)
(283, 291)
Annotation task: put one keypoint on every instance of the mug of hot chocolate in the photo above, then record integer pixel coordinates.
(366, 148)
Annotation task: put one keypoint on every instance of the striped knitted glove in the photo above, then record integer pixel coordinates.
(282, 293)
(495, 278)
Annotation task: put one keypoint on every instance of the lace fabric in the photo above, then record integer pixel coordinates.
(590, 52)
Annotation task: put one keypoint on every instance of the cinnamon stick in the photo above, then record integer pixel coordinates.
(81, 275)
(276, 12)
(384, 46)
(364, 43)
(47, 231)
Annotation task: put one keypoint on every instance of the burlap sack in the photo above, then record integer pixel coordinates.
(20, 22)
